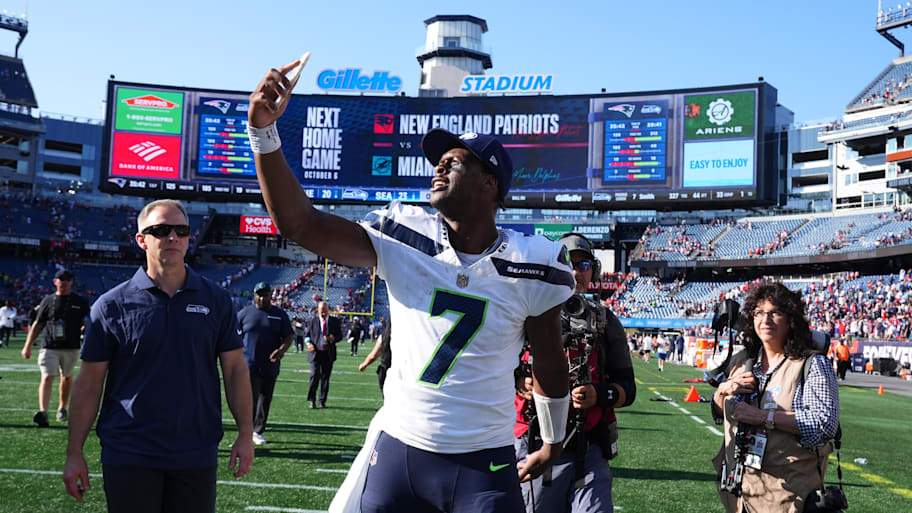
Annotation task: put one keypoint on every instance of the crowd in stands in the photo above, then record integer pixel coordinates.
(25, 283)
(67, 220)
(730, 238)
(681, 238)
(887, 94)
(235, 276)
(846, 304)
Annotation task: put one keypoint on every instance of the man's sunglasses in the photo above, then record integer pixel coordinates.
(163, 230)
(583, 265)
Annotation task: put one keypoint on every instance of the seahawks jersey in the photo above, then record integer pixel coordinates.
(457, 330)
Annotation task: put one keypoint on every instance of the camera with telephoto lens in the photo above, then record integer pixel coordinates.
(830, 500)
(725, 314)
(582, 316)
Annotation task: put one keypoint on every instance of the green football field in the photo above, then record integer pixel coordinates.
(663, 465)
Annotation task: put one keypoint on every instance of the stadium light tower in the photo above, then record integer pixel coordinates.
(16, 24)
(893, 19)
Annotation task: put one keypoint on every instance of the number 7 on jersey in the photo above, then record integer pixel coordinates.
(471, 311)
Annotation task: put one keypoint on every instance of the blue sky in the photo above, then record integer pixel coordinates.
(818, 54)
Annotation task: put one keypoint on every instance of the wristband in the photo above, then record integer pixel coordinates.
(552, 416)
(264, 140)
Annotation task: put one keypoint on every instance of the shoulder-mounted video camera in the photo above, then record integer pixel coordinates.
(582, 316)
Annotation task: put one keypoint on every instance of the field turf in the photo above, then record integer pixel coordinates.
(663, 465)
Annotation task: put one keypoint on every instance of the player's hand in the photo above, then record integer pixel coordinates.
(263, 110)
(310, 347)
(539, 461)
(583, 396)
(524, 388)
(76, 477)
(241, 455)
(276, 355)
(362, 366)
(27, 351)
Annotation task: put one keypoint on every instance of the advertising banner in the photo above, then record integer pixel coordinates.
(698, 148)
(258, 225)
(145, 155)
(719, 115)
(901, 352)
(145, 110)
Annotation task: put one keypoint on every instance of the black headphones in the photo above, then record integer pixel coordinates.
(575, 241)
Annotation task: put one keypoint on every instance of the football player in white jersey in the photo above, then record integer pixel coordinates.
(463, 296)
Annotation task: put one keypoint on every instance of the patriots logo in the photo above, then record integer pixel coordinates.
(624, 108)
(120, 182)
(222, 105)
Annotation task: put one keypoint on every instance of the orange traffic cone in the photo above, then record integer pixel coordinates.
(692, 395)
(879, 390)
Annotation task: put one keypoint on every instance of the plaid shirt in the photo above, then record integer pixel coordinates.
(816, 411)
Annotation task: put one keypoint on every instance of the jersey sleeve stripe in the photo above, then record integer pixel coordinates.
(541, 272)
(403, 234)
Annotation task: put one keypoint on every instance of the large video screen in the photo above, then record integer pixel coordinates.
(703, 148)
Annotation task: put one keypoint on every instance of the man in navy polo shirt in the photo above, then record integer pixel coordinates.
(267, 335)
(152, 346)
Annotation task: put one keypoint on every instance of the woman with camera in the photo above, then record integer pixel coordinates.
(778, 416)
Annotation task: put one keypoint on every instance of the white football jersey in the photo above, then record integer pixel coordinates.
(457, 331)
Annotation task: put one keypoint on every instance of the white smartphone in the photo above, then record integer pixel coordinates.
(295, 74)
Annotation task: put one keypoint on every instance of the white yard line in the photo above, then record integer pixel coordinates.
(278, 485)
(686, 411)
(283, 510)
(232, 483)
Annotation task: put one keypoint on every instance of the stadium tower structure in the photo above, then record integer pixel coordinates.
(869, 150)
(453, 49)
(19, 129)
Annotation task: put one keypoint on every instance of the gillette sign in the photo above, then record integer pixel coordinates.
(259, 225)
(352, 80)
(506, 84)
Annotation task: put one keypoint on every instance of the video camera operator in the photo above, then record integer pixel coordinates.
(780, 406)
(581, 478)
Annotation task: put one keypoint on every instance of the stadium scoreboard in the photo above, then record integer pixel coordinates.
(684, 149)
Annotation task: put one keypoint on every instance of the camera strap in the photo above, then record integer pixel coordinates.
(837, 440)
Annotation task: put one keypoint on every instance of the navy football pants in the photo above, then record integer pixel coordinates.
(403, 478)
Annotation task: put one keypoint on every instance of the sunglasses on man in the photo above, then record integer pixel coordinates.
(582, 265)
(163, 230)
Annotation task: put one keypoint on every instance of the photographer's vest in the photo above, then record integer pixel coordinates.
(789, 471)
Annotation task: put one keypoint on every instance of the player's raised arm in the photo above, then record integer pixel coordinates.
(325, 234)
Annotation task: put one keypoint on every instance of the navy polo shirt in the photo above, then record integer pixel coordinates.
(264, 331)
(162, 404)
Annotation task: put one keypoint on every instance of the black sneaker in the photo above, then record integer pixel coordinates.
(62, 415)
(41, 418)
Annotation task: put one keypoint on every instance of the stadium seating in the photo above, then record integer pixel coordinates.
(14, 84)
(680, 241)
(889, 86)
(744, 239)
(782, 237)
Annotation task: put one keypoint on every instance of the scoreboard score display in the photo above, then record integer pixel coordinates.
(700, 148)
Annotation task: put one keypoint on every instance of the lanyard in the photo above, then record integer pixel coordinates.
(762, 391)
